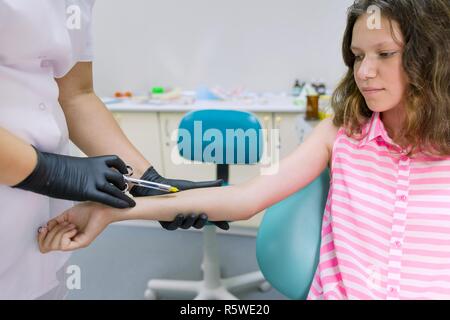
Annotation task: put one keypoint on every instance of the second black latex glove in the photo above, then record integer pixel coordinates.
(96, 179)
(197, 221)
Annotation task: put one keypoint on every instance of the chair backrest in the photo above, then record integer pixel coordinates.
(288, 240)
(221, 137)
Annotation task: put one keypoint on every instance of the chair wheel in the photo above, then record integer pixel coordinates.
(150, 294)
(264, 287)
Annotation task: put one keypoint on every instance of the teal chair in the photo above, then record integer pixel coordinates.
(289, 236)
(215, 136)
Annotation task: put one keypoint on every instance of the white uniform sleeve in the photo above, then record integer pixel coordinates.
(81, 36)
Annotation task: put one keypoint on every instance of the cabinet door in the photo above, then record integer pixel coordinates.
(174, 165)
(293, 129)
(142, 129)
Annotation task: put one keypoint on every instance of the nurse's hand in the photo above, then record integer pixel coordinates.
(98, 179)
(180, 221)
(75, 228)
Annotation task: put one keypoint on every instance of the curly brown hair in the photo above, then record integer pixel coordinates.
(425, 25)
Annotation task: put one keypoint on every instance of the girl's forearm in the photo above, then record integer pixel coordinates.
(243, 201)
(220, 204)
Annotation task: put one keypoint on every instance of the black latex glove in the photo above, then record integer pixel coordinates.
(79, 179)
(197, 221)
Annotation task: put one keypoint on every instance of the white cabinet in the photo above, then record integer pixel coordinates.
(288, 139)
(174, 165)
(305, 127)
(142, 129)
(293, 129)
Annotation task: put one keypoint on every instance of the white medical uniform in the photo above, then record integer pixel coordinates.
(39, 40)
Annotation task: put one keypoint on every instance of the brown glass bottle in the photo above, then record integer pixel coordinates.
(312, 107)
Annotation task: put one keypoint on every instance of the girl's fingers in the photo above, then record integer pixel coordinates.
(51, 224)
(62, 217)
(67, 239)
(79, 241)
(56, 242)
(42, 232)
(52, 233)
(73, 245)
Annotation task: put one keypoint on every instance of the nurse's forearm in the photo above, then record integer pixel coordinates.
(220, 204)
(17, 158)
(94, 130)
(91, 126)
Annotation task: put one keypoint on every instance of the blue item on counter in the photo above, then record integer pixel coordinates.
(203, 93)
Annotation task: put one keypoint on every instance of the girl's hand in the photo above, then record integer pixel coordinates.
(75, 228)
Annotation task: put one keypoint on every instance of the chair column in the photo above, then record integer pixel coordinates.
(211, 267)
(223, 172)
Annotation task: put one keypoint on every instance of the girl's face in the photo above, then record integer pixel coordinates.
(378, 68)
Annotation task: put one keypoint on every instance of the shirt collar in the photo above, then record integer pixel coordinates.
(375, 129)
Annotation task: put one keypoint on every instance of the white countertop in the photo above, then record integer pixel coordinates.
(282, 104)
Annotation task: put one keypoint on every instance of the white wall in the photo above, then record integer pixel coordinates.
(260, 44)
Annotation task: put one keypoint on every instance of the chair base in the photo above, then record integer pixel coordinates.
(212, 286)
(203, 291)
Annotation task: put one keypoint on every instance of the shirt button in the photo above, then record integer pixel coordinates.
(404, 158)
(392, 290)
(403, 198)
(398, 243)
(42, 106)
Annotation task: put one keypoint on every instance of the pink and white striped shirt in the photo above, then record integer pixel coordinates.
(386, 226)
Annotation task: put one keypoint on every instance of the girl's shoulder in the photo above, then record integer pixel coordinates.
(330, 133)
